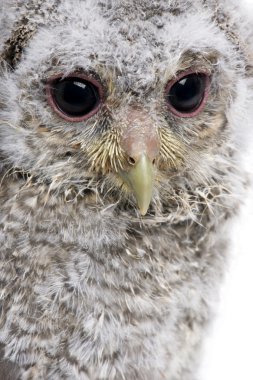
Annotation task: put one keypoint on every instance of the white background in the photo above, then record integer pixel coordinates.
(228, 353)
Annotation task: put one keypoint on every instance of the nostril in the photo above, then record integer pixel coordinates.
(131, 161)
(153, 162)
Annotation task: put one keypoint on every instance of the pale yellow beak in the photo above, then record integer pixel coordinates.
(140, 179)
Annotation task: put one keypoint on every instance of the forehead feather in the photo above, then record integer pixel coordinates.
(125, 36)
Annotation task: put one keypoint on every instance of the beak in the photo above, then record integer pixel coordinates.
(140, 179)
(141, 145)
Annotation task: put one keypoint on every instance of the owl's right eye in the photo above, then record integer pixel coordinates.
(74, 98)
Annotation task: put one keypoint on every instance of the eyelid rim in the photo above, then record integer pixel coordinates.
(202, 104)
(74, 74)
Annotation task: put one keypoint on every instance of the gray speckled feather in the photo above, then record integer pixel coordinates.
(89, 289)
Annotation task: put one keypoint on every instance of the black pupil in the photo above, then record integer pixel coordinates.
(75, 97)
(187, 94)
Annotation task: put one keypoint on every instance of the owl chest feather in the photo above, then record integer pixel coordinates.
(75, 278)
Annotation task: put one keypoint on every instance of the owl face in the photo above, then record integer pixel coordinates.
(121, 103)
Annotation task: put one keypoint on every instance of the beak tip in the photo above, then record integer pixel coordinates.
(143, 212)
(143, 207)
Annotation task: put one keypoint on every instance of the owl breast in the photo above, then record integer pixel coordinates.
(89, 287)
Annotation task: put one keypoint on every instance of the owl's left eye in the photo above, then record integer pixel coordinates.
(74, 98)
(187, 95)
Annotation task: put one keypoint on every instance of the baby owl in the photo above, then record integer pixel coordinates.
(121, 126)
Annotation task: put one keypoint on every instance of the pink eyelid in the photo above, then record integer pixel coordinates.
(54, 106)
(204, 99)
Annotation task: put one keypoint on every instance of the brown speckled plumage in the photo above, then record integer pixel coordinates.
(89, 289)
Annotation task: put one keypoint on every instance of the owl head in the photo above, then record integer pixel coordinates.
(124, 103)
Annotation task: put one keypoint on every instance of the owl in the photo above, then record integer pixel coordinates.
(122, 127)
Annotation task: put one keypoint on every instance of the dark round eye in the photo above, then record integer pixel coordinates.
(74, 98)
(186, 96)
